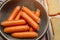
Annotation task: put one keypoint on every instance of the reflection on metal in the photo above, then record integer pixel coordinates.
(2, 1)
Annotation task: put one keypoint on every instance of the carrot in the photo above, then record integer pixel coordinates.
(33, 12)
(24, 34)
(30, 21)
(18, 16)
(32, 15)
(21, 28)
(31, 29)
(12, 23)
(37, 13)
(14, 13)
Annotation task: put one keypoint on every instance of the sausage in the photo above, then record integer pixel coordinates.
(37, 13)
(21, 28)
(32, 15)
(30, 21)
(14, 13)
(31, 29)
(25, 35)
(18, 16)
(13, 22)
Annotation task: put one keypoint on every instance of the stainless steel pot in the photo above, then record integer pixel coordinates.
(7, 7)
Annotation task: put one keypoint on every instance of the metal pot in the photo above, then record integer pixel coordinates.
(7, 7)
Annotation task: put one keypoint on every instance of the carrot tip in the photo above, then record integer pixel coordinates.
(18, 7)
(38, 21)
(23, 7)
(38, 10)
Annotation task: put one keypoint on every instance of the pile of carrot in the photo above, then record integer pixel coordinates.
(22, 23)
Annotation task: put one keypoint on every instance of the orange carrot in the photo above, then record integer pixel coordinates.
(37, 13)
(30, 21)
(33, 12)
(31, 29)
(25, 35)
(32, 15)
(21, 28)
(14, 13)
(18, 16)
(13, 22)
